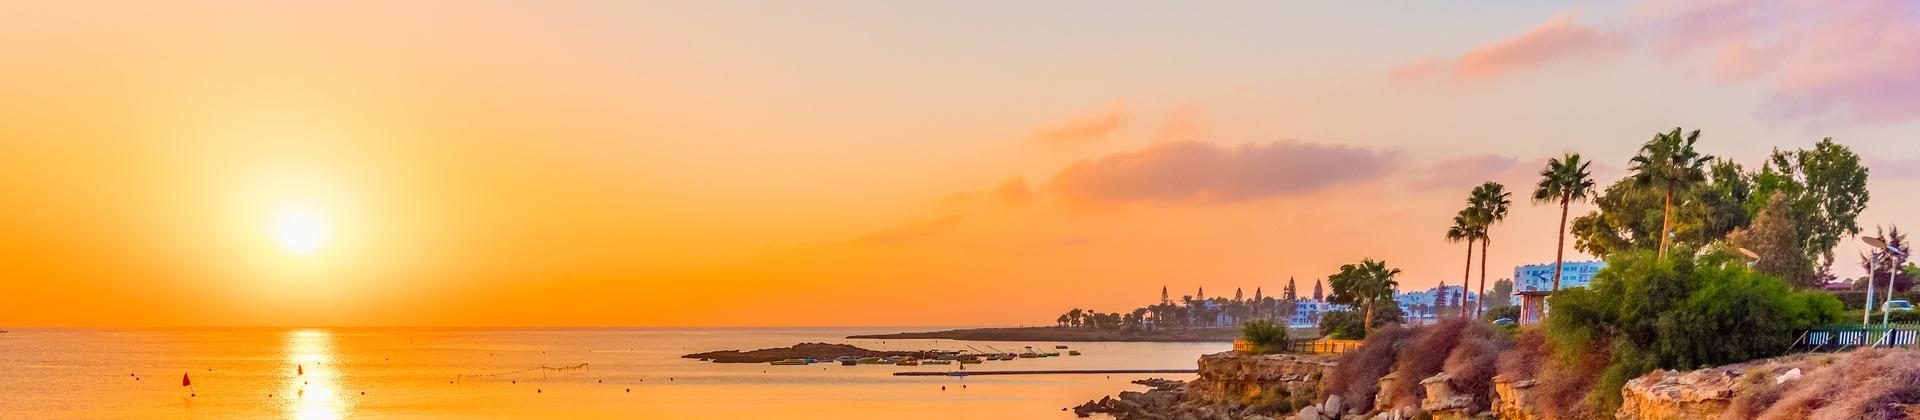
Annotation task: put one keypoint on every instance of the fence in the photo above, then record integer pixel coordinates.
(1322, 346)
(1836, 338)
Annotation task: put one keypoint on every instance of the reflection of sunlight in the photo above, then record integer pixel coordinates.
(312, 390)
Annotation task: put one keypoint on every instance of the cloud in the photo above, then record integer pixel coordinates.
(1559, 38)
(1178, 171)
(1085, 127)
(1893, 168)
(1859, 59)
(908, 234)
(1013, 191)
(1464, 171)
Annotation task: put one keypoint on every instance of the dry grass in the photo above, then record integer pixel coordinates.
(1424, 357)
(1473, 363)
(1356, 377)
(1564, 385)
(1530, 351)
(1863, 384)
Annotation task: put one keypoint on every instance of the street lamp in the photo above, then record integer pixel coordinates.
(1879, 245)
(1893, 253)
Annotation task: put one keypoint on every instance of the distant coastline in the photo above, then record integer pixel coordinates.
(1067, 334)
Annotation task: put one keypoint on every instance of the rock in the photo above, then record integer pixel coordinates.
(1790, 375)
(1309, 413)
(1514, 398)
(1334, 406)
(1667, 394)
(1443, 401)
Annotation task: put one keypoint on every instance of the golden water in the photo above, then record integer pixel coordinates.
(498, 373)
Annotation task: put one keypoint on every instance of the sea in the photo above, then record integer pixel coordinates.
(328, 373)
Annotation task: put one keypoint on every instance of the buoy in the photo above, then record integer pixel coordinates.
(629, 389)
(943, 387)
(536, 391)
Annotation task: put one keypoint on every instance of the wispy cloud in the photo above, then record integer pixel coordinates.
(1558, 39)
(1084, 127)
(1857, 59)
(1180, 171)
(1463, 171)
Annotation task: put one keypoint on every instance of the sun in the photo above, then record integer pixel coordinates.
(300, 231)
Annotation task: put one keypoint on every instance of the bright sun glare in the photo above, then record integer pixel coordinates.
(301, 231)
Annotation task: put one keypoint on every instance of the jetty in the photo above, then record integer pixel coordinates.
(1046, 372)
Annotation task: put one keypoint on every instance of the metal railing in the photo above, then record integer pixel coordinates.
(1837, 338)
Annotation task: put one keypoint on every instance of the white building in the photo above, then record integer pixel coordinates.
(1534, 277)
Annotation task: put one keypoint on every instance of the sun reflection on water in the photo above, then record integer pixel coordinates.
(312, 388)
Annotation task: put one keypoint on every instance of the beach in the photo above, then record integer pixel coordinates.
(528, 373)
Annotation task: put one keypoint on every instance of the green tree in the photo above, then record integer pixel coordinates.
(1490, 202)
(1502, 294)
(1564, 181)
(1464, 229)
(1680, 311)
(1773, 237)
(1364, 285)
(1827, 188)
(1670, 163)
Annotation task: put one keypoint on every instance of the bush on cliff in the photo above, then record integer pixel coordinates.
(1473, 362)
(1356, 376)
(1422, 357)
(1345, 325)
(1266, 337)
(1677, 312)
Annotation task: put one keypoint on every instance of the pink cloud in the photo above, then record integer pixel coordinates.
(1085, 127)
(1180, 171)
(1464, 171)
(1557, 39)
(1013, 191)
(1860, 59)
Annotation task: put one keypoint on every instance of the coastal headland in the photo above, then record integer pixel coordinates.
(819, 351)
(1065, 334)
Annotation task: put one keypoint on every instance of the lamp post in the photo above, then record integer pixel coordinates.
(1866, 313)
(1892, 253)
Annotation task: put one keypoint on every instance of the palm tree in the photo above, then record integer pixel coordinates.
(1463, 230)
(1670, 163)
(1490, 202)
(1366, 283)
(1565, 180)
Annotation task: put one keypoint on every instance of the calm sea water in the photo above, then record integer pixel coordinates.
(501, 373)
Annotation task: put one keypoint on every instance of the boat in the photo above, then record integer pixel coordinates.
(936, 362)
(789, 362)
(908, 362)
(1060, 347)
(892, 359)
(1029, 354)
(1073, 352)
(973, 361)
(849, 362)
(844, 359)
(870, 360)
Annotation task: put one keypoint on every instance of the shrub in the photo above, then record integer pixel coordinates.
(1345, 325)
(1679, 312)
(1356, 377)
(1474, 361)
(1266, 337)
(1422, 357)
(1508, 311)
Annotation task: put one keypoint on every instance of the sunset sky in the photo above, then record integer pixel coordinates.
(855, 163)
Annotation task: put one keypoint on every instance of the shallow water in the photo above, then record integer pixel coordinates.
(498, 373)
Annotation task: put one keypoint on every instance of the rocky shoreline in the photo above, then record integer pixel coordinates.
(1061, 334)
(818, 351)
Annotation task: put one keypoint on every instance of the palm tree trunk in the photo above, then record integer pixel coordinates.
(1466, 278)
(1366, 325)
(1560, 250)
(1482, 303)
(1666, 222)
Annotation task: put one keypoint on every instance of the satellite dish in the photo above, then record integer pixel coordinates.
(1876, 242)
(1749, 253)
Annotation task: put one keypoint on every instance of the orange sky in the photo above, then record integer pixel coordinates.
(479, 163)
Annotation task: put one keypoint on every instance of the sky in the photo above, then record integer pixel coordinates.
(826, 163)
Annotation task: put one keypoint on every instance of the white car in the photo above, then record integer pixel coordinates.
(1898, 305)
